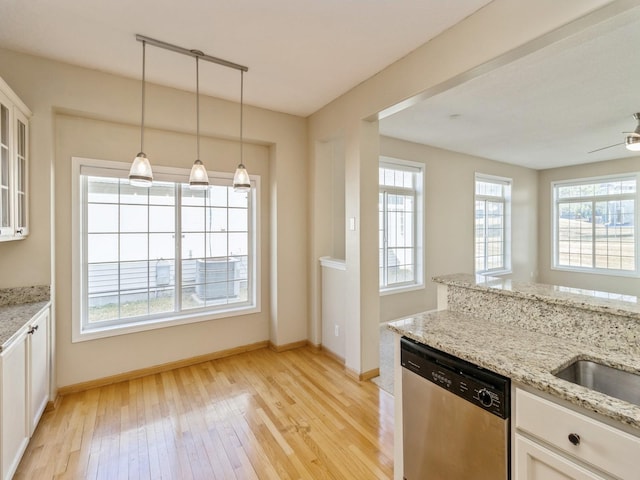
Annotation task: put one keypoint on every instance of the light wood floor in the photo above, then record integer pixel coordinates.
(257, 415)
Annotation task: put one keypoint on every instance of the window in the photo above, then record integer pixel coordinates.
(595, 225)
(400, 225)
(492, 224)
(168, 253)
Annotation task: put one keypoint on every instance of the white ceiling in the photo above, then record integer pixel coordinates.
(547, 109)
(301, 54)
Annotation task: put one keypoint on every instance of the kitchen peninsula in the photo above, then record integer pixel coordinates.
(527, 332)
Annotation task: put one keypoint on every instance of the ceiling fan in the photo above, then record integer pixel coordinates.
(631, 140)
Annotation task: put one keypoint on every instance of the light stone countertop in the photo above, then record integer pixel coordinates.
(14, 317)
(592, 300)
(527, 357)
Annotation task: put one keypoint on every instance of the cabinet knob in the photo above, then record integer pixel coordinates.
(574, 438)
(20, 231)
(32, 330)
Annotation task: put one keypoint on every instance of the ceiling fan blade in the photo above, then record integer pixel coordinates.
(604, 148)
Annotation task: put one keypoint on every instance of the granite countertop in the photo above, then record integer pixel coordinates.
(592, 300)
(14, 317)
(527, 357)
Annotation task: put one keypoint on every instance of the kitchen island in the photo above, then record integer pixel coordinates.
(528, 332)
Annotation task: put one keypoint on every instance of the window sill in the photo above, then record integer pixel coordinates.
(403, 289)
(496, 273)
(594, 271)
(82, 335)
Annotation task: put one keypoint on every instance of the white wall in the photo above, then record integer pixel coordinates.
(449, 219)
(607, 283)
(69, 102)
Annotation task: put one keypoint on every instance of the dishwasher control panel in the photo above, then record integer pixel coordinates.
(486, 389)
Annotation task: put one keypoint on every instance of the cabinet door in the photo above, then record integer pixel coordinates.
(535, 462)
(21, 198)
(6, 170)
(13, 393)
(38, 368)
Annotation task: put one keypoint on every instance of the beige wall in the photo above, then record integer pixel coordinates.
(607, 283)
(474, 43)
(449, 219)
(78, 101)
(296, 172)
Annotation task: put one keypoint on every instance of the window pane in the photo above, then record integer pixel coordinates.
(162, 219)
(491, 225)
(218, 196)
(238, 199)
(102, 190)
(162, 300)
(133, 246)
(133, 218)
(161, 246)
(238, 244)
(193, 245)
(217, 220)
(102, 248)
(238, 220)
(397, 233)
(131, 239)
(133, 195)
(162, 193)
(102, 218)
(597, 233)
(193, 197)
(193, 219)
(134, 275)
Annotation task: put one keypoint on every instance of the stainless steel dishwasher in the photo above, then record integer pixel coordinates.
(455, 417)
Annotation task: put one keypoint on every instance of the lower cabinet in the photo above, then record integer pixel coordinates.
(39, 367)
(15, 431)
(535, 462)
(24, 389)
(553, 442)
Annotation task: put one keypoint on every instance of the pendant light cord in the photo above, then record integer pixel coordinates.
(197, 111)
(143, 95)
(241, 114)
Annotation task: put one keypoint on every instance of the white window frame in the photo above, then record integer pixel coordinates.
(80, 332)
(418, 260)
(506, 200)
(555, 219)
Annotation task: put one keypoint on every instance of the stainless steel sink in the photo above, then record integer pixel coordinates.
(610, 381)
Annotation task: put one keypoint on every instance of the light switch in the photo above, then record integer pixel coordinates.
(352, 223)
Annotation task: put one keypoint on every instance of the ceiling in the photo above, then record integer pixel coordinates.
(544, 110)
(301, 54)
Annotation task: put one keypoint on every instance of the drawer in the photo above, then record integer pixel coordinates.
(604, 447)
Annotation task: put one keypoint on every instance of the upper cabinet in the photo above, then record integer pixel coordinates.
(14, 165)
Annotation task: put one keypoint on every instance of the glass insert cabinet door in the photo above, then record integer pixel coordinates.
(21, 179)
(14, 165)
(6, 207)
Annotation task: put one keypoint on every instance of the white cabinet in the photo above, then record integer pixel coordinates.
(38, 343)
(24, 389)
(15, 429)
(535, 462)
(554, 442)
(14, 165)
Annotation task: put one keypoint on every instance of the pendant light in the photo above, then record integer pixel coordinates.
(140, 173)
(241, 182)
(198, 179)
